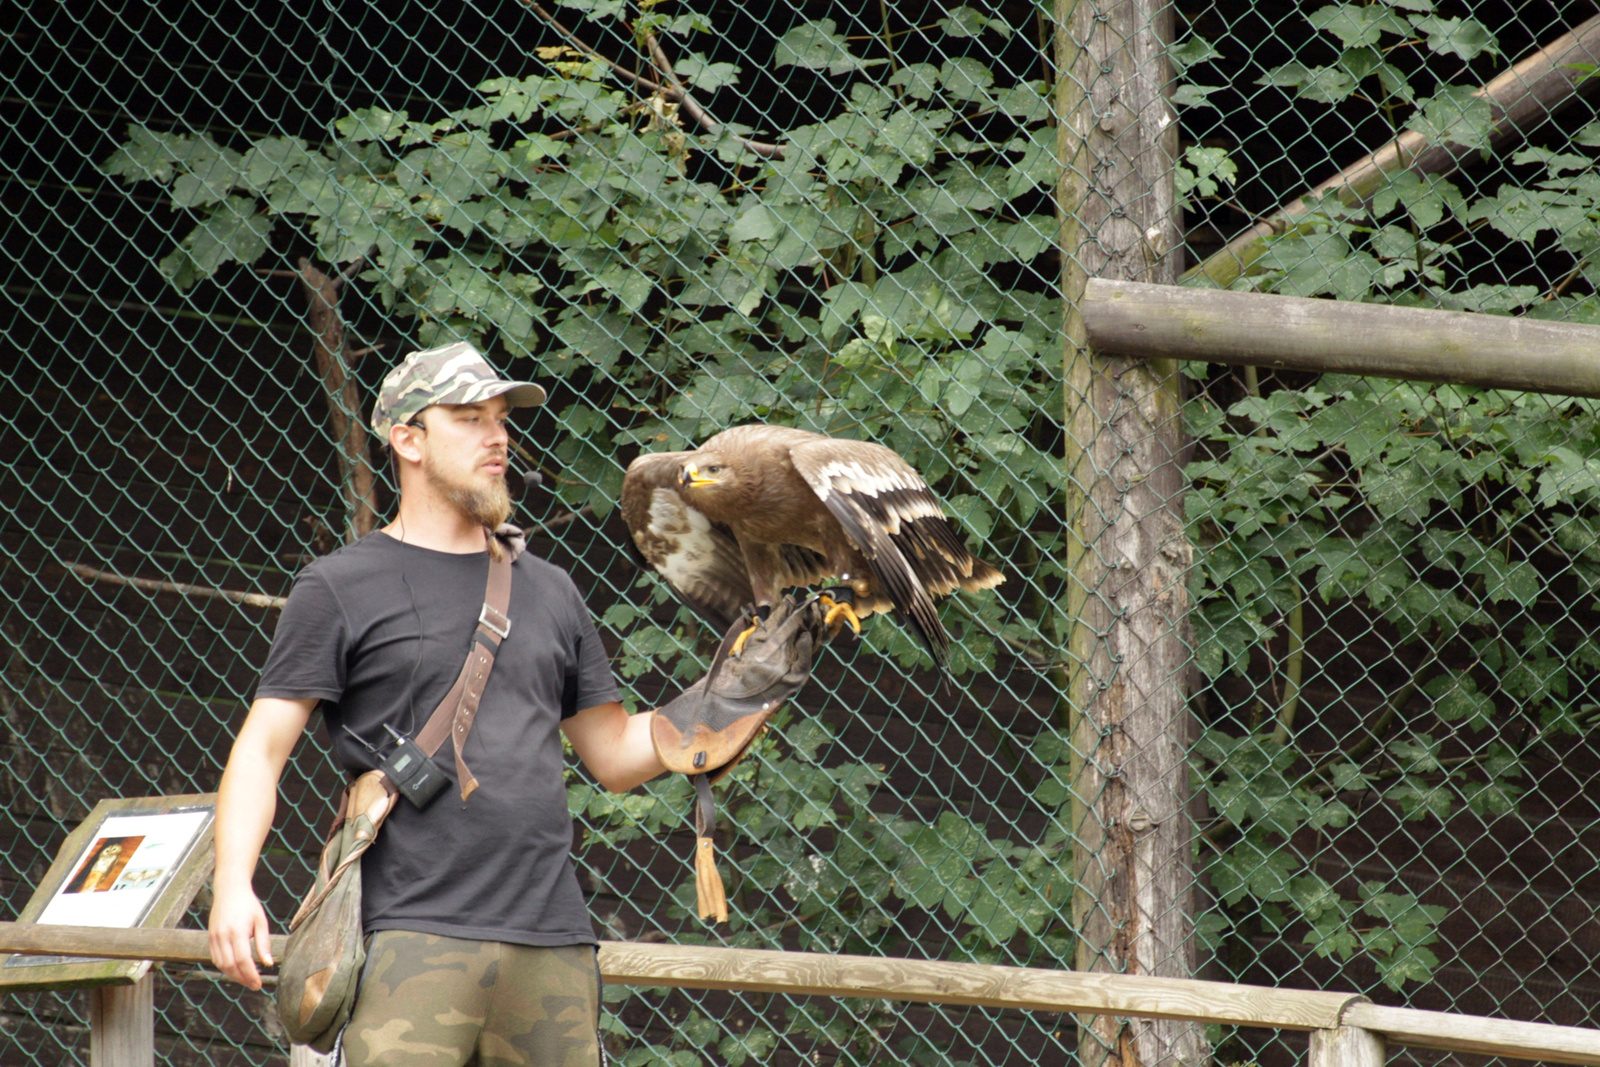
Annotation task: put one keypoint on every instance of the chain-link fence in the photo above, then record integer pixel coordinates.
(1289, 679)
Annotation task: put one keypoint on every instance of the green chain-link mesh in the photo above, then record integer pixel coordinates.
(224, 222)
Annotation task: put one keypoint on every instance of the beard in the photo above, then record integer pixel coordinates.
(487, 505)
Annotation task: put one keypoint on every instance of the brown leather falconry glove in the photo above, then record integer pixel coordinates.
(710, 726)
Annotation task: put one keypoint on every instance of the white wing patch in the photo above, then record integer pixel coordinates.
(675, 523)
(850, 476)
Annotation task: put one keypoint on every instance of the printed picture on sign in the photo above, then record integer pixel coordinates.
(107, 858)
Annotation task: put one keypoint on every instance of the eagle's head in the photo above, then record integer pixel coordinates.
(708, 475)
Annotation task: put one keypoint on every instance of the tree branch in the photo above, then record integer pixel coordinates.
(694, 110)
(151, 585)
(340, 389)
(675, 92)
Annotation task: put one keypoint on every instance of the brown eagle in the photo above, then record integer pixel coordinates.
(758, 509)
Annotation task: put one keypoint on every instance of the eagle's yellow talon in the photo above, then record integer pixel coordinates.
(738, 642)
(838, 609)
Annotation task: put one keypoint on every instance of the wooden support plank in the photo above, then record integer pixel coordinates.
(137, 943)
(1320, 336)
(1467, 1033)
(122, 1024)
(1346, 1046)
(934, 982)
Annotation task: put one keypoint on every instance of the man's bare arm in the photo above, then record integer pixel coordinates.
(614, 745)
(246, 802)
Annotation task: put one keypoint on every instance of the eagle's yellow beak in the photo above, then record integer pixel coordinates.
(692, 479)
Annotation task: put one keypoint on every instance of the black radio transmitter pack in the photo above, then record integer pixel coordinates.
(411, 771)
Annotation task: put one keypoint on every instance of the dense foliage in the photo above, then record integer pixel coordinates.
(1456, 524)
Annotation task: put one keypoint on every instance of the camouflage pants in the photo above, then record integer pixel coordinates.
(429, 1001)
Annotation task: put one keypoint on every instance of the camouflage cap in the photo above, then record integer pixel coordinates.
(453, 374)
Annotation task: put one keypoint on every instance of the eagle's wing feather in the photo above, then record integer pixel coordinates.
(698, 558)
(891, 515)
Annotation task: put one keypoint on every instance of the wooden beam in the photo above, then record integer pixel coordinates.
(1124, 701)
(1467, 1033)
(139, 943)
(122, 1024)
(1345, 1046)
(1521, 98)
(935, 982)
(980, 985)
(1320, 336)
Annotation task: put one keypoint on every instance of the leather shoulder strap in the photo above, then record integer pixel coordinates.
(453, 717)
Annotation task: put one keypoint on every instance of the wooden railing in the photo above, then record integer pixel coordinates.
(1346, 1029)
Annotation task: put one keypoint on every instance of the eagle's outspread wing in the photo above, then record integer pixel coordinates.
(889, 513)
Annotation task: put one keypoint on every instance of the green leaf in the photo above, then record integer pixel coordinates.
(1408, 965)
(1323, 85)
(1189, 51)
(817, 46)
(233, 233)
(1425, 198)
(1193, 95)
(1521, 214)
(272, 160)
(1247, 870)
(598, 10)
(1466, 38)
(148, 155)
(1456, 699)
(1494, 299)
(920, 81)
(1318, 263)
(1204, 171)
(756, 223)
(1517, 581)
(841, 304)
(210, 174)
(1358, 25)
(372, 124)
(705, 75)
(1332, 937)
(966, 79)
(1456, 115)
(754, 1045)
(969, 22)
(1038, 166)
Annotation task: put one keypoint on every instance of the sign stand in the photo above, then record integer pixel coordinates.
(130, 863)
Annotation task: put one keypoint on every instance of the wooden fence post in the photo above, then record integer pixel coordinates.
(1346, 1046)
(122, 1024)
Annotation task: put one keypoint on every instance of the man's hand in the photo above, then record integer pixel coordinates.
(245, 803)
(237, 920)
(708, 728)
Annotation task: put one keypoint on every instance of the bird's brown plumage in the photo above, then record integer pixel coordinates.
(758, 509)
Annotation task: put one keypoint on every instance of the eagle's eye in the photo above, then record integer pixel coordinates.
(715, 468)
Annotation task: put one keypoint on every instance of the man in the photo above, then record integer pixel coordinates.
(482, 948)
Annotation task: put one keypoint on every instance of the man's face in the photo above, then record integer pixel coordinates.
(464, 451)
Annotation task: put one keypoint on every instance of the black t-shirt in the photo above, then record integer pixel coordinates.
(498, 866)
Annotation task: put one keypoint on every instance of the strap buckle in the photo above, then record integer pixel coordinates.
(497, 623)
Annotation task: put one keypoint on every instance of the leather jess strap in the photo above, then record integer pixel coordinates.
(455, 713)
